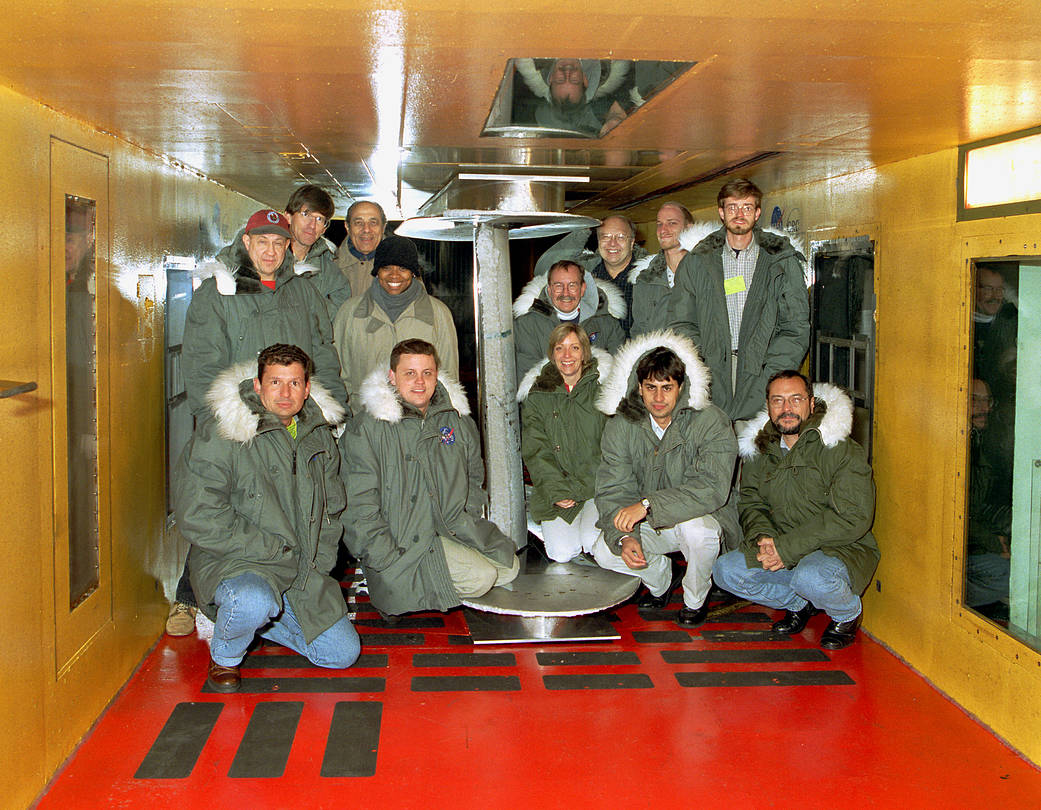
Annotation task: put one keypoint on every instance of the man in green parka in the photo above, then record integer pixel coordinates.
(414, 483)
(740, 295)
(667, 463)
(807, 504)
(258, 494)
(253, 296)
(309, 211)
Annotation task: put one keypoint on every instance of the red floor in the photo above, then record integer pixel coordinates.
(853, 729)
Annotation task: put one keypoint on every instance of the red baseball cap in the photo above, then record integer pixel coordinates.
(268, 221)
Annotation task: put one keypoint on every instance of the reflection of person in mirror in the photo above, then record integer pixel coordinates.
(578, 94)
(994, 321)
(990, 513)
(79, 246)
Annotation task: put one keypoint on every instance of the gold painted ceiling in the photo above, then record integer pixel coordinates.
(384, 100)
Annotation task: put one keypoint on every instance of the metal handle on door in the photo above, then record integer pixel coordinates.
(10, 388)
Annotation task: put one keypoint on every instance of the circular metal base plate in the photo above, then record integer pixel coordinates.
(558, 589)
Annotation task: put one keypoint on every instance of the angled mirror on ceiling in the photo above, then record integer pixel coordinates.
(574, 98)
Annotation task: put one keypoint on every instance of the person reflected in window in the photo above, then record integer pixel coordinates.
(989, 555)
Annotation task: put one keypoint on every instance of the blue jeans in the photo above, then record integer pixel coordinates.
(246, 605)
(817, 578)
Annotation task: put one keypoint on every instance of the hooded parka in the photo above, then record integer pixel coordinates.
(321, 269)
(819, 496)
(253, 500)
(688, 473)
(534, 317)
(775, 321)
(560, 437)
(233, 316)
(365, 335)
(410, 479)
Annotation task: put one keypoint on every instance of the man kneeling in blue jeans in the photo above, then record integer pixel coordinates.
(258, 494)
(807, 503)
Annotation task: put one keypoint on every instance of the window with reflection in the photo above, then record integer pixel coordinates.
(992, 533)
(81, 396)
(569, 97)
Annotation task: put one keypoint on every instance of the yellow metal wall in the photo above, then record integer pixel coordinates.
(154, 209)
(924, 289)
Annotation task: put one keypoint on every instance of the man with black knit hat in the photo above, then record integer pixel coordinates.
(396, 307)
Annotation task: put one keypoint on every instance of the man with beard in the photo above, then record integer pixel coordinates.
(309, 211)
(807, 503)
(741, 297)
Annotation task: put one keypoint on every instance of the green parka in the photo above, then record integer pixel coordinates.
(819, 496)
(534, 318)
(233, 316)
(688, 473)
(251, 499)
(411, 479)
(560, 437)
(775, 321)
(321, 269)
(651, 290)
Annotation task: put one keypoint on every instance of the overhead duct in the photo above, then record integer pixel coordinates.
(528, 207)
(489, 212)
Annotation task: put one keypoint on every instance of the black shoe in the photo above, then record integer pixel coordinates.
(840, 634)
(650, 601)
(692, 617)
(794, 620)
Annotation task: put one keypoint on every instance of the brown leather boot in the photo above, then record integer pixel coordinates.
(223, 679)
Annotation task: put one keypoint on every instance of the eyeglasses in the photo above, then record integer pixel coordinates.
(319, 220)
(991, 290)
(796, 400)
(560, 286)
(744, 208)
(615, 237)
(982, 399)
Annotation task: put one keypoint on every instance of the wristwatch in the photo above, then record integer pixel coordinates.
(646, 504)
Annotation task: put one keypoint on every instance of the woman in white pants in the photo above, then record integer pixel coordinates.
(560, 440)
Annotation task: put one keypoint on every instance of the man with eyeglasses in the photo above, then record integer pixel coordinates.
(309, 211)
(566, 294)
(614, 258)
(807, 504)
(740, 295)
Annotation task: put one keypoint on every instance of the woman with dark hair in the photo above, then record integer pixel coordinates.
(560, 440)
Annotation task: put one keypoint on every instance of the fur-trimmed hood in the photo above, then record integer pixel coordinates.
(621, 393)
(234, 273)
(239, 412)
(771, 240)
(380, 398)
(599, 295)
(832, 417)
(652, 266)
(603, 361)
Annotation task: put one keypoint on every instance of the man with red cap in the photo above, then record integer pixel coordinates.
(251, 297)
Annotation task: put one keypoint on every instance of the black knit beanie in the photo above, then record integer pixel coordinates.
(396, 250)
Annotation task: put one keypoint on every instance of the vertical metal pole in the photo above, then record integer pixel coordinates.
(497, 381)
